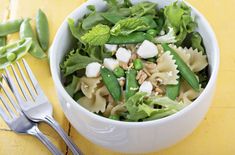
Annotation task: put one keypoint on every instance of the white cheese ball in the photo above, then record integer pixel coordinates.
(93, 69)
(111, 63)
(123, 55)
(147, 50)
(147, 87)
(110, 47)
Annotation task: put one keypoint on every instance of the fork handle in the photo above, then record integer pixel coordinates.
(54, 124)
(37, 133)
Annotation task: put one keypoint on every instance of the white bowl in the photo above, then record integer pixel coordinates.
(130, 137)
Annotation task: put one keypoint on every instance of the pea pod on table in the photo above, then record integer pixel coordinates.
(42, 29)
(131, 83)
(185, 71)
(111, 83)
(26, 31)
(10, 26)
(14, 51)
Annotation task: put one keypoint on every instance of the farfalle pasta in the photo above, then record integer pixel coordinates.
(88, 85)
(97, 103)
(136, 67)
(194, 58)
(166, 70)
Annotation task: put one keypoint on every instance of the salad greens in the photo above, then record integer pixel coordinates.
(127, 83)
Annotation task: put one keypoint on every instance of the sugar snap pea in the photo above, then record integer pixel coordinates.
(26, 31)
(2, 41)
(10, 26)
(111, 83)
(131, 83)
(172, 91)
(42, 29)
(112, 17)
(133, 38)
(12, 52)
(185, 71)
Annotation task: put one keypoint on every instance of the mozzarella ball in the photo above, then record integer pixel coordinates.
(147, 50)
(93, 69)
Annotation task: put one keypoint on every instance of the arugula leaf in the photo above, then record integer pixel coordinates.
(128, 25)
(75, 61)
(98, 35)
(144, 8)
(71, 88)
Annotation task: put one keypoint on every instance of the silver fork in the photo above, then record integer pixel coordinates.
(34, 102)
(19, 123)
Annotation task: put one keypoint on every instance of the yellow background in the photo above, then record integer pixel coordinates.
(214, 136)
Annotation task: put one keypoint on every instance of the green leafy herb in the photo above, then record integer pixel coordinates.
(71, 88)
(76, 31)
(98, 35)
(128, 25)
(144, 8)
(196, 42)
(179, 17)
(75, 61)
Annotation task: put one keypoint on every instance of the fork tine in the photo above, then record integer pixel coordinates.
(20, 84)
(31, 91)
(12, 114)
(12, 85)
(4, 116)
(16, 106)
(32, 77)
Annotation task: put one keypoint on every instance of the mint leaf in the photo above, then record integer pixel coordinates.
(98, 35)
(128, 25)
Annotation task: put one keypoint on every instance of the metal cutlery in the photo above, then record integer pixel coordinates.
(19, 123)
(33, 102)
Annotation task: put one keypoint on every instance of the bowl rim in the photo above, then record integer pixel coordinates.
(60, 88)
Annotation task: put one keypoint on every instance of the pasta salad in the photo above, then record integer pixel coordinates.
(135, 62)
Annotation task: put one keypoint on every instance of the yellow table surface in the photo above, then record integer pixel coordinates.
(215, 135)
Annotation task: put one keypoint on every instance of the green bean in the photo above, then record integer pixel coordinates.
(2, 41)
(111, 83)
(42, 29)
(26, 31)
(10, 26)
(119, 72)
(133, 38)
(131, 83)
(13, 53)
(172, 91)
(138, 64)
(185, 71)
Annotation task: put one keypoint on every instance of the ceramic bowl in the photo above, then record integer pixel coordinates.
(133, 137)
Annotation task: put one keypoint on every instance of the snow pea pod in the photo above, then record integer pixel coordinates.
(26, 31)
(133, 38)
(42, 29)
(172, 91)
(111, 83)
(185, 71)
(131, 83)
(13, 52)
(10, 26)
(2, 41)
